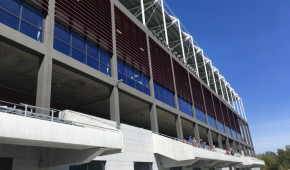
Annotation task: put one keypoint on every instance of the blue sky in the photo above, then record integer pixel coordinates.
(249, 42)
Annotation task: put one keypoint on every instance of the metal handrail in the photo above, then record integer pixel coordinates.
(27, 110)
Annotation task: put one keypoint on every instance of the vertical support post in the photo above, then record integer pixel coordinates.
(194, 55)
(181, 41)
(209, 137)
(191, 94)
(221, 86)
(178, 127)
(205, 69)
(231, 103)
(227, 143)
(143, 12)
(114, 92)
(164, 23)
(240, 107)
(152, 107)
(213, 78)
(250, 137)
(43, 94)
(220, 144)
(227, 93)
(244, 110)
(196, 131)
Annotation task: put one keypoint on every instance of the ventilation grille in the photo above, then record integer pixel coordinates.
(197, 93)
(90, 19)
(161, 66)
(131, 43)
(182, 82)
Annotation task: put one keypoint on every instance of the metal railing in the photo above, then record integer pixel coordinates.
(30, 111)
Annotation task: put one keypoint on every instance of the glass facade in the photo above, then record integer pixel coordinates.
(239, 137)
(228, 131)
(22, 18)
(200, 115)
(164, 95)
(133, 78)
(78, 48)
(142, 166)
(234, 134)
(211, 121)
(93, 165)
(184, 106)
(221, 126)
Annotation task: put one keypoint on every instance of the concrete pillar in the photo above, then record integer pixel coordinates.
(43, 92)
(243, 131)
(227, 143)
(153, 118)
(249, 133)
(196, 132)
(152, 107)
(114, 92)
(234, 146)
(220, 144)
(178, 127)
(209, 137)
(191, 93)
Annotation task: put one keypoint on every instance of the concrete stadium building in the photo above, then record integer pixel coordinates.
(114, 85)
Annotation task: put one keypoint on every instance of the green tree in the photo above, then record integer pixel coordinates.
(279, 161)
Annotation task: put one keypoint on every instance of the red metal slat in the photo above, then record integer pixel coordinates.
(225, 114)
(217, 107)
(161, 66)
(197, 93)
(208, 102)
(131, 43)
(182, 82)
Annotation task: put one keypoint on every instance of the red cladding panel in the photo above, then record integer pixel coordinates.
(91, 19)
(208, 102)
(217, 107)
(161, 66)
(131, 43)
(182, 82)
(225, 114)
(231, 118)
(197, 93)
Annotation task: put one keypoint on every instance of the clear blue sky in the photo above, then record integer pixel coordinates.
(249, 41)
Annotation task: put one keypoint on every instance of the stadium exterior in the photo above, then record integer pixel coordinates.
(115, 85)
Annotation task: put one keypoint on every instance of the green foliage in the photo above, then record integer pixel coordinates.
(276, 161)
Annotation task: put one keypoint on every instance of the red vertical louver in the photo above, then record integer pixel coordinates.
(231, 118)
(237, 126)
(225, 115)
(131, 43)
(208, 102)
(43, 4)
(217, 107)
(182, 82)
(197, 93)
(161, 66)
(91, 19)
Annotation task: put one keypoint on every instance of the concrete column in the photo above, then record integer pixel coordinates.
(196, 131)
(191, 94)
(178, 127)
(153, 118)
(114, 92)
(246, 132)
(234, 146)
(243, 131)
(220, 144)
(152, 107)
(209, 137)
(43, 92)
(249, 133)
(228, 143)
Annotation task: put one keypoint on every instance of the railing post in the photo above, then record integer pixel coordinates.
(25, 111)
(52, 114)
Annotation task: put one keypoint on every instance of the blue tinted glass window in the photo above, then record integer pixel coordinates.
(228, 130)
(221, 126)
(12, 6)
(121, 68)
(78, 55)
(211, 121)
(32, 17)
(184, 106)
(78, 43)
(145, 81)
(105, 58)
(9, 20)
(62, 34)
(61, 46)
(163, 95)
(200, 115)
(105, 69)
(138, 78)
(129, 73)
(93, 63)
(93, 51)
(31, 31)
